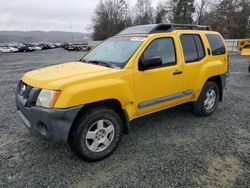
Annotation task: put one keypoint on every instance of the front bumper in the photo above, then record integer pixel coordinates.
(49, 123)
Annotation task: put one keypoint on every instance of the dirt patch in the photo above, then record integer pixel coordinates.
(222, 172)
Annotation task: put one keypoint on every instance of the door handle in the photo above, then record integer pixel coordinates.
(177, 72)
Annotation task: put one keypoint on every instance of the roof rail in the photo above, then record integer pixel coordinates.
(161, 28)
(170, 27)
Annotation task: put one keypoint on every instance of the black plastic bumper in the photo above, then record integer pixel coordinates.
(52, 124)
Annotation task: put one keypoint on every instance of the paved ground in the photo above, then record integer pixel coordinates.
(172, 148)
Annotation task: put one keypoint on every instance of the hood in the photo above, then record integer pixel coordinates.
(54, 76)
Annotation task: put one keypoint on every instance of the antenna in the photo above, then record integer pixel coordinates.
(72, 38)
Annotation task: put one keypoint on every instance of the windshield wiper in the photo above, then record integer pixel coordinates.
(97, 62)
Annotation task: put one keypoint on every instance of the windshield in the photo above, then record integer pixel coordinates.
(114, 52)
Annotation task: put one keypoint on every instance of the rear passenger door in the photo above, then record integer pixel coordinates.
(194, 57)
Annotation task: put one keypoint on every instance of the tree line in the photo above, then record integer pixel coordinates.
(230, 17)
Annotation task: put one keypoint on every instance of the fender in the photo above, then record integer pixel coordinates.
(211, 69)
(97, 90)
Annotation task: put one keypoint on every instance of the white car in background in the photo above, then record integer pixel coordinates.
(35, 48)
(12, 49)
(38, 48)
(8, 49)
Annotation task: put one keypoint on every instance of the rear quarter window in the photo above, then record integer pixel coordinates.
(216, 44)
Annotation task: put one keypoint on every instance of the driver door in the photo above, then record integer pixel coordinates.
(159, 87)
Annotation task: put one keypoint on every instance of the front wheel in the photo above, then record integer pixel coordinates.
(208, 99)
(96, 134)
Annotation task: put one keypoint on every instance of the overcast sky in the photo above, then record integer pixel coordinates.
(48, 15)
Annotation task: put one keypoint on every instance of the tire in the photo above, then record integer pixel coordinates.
(208, 99)
(92, 137)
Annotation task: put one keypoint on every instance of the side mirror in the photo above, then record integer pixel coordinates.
(150, 63)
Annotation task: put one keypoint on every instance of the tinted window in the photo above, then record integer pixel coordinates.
(199, 46)
(216, 44)
(192, 47)
(163, 47)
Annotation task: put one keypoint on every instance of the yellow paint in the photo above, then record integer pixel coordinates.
(82, 83)
(245, 51)
(241, 44)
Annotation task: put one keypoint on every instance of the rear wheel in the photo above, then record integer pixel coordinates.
(208, 99)
(96, 134)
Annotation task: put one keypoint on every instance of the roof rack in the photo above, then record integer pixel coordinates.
(161, 28)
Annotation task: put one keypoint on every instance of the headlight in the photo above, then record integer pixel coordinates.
(47, 98)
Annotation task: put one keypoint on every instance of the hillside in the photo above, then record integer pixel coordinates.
(42, 36)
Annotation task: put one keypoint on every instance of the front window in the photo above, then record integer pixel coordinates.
(114, 52)
(164, 48)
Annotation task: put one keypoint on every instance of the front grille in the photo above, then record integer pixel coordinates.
(24, 90)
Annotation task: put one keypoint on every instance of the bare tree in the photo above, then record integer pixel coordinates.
(111, 16)
(160, 13)
(201, 7)
(229, 17)
(143, 12)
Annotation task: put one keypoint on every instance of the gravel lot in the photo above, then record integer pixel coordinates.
(172, 148)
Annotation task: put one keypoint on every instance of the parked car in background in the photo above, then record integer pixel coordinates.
(37, 48)
(76, 47)
(24, 48)
(8, 49)
(4, 50)
(12, 49)
(28, 47)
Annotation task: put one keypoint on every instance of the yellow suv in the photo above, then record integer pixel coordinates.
(141, 70)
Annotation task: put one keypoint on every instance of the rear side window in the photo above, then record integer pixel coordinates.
(199, 46)
(216, 44)
(192, 47)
